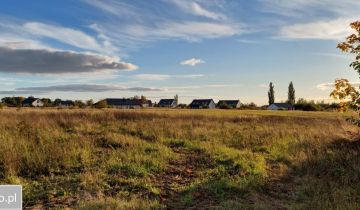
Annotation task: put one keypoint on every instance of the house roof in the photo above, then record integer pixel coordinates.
(166, 102)
(29, 100)
(67, 103)
(123, 102)
(201, 102)
(283, 105)
(229, 102)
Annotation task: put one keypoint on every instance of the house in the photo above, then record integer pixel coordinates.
(32, 102)
(229, 103)
(168, 103)
(202, 104)
(127, 103)
(66, 104)
(281, 106)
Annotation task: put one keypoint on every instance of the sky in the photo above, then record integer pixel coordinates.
(220, 49)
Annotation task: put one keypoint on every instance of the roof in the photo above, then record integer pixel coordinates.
(166, 102)
(229, 102)
(67, 103)
(201, 102)
(283, 105)
(123, 102)
(29, 100)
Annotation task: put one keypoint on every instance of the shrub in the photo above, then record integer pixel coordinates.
(101, 104)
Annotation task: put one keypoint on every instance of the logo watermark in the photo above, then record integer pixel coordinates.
(11, 197)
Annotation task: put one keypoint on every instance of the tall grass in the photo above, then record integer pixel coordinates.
(121, 159)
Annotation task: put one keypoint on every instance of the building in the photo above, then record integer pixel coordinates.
(229, 104)
(281, 106)
(127, 103)
(171, 103)
(66, 104)
(32, 102)
(202, 104)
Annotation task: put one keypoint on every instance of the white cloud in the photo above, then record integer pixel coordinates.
(190, 31)
(192, 62)
(326, 30)
(311, 8)
(161, 77)
(331, 85)
(194, 8)
(263, 85)
(65, 35)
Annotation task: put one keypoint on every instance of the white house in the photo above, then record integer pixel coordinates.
(202, 104)
(281, 106)
(32, 102)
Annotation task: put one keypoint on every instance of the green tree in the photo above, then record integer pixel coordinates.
(90, 102)
(57, 102)
(291, 94)
(79, 103)
(176, 99)
(47, 102)
(271, 94)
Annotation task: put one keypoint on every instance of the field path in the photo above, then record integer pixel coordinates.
(180, 174)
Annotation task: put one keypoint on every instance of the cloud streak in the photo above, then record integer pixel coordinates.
(57, 62)
(162, 77)
(331, 85)
(194, 8)
(325, 30)
(77, 88)
(192, 62)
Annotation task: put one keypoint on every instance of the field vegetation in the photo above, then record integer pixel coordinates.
(180, 159)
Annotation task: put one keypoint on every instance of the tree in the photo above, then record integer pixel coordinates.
(143, 100)
(352, 45)
(90, 102)
(346, 94)
(47, 102)
(343, 90)
(79, 103)
(101, 104)
(57, 102)
(291, 94)
(19, 101)
(271, 94)
(176, 99)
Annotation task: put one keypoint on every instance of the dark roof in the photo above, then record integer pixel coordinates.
(201, 102)
(284, 105)
(166, 102)
(67, 103)
(229, 102)
(29, 100)
(123, 102)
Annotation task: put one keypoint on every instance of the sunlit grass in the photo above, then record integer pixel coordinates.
(161, 158)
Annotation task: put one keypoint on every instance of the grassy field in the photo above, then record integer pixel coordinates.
(180, 159)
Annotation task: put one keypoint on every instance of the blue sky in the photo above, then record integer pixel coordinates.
(220, 49)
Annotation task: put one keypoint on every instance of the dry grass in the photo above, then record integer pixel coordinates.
(219, 159)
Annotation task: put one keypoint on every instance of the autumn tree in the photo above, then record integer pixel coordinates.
(343, 89)
(271, 94)
(346, 94)
(291, 94)
(352, 45)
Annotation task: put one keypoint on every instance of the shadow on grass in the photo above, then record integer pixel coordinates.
(328, 178)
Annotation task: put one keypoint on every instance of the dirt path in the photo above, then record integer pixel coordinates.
(179, 174)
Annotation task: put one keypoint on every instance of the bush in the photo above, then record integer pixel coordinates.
(101, 104)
